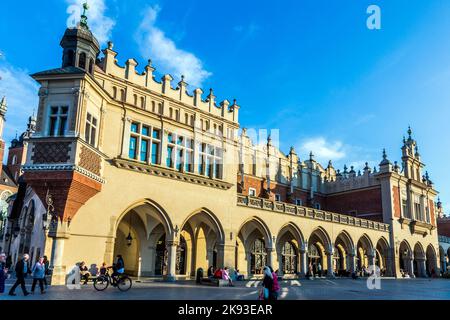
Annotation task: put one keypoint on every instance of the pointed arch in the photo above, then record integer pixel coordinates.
(260, 225)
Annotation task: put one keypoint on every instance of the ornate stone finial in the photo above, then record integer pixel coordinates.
(359, 173)
(384, 154)
(385, 160)
(330, 164)
(409, 133)
(338, 173)
(311, 156)
(83, 20)
(110, 45)
(352, 169)
(396, 166)
(417, 154)
(366, 168)
(3, 106)
(374, 169)
(292, 150)
(345, 168)
(439, 203)
(404, 140)
(182, 77)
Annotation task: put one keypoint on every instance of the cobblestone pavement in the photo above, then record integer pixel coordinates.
(335, 289)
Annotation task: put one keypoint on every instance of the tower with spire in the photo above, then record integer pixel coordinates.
(412, 164)
(80, 47)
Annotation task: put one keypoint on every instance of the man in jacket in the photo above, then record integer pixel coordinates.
(22, 269)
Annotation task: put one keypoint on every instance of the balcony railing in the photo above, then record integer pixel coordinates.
(291, 209)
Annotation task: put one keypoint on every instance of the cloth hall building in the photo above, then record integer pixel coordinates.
(137, 166)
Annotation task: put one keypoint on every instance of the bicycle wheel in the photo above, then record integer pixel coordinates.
(124, 283)
(101, 283)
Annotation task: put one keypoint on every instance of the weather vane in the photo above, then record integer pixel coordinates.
(83, 20)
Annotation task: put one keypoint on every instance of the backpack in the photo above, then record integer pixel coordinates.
(218, 274)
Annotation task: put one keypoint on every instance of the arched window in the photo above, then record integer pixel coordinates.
(135, 99)
(153, 106)
(177, 115)
(122, 95)
(142, 102)
(68, 59)
(289, 258)
(160, 108)
(170, 113)
(258, 256)
(186, 118)
(82, 60)
(114, 92)
(91, 66)
(14, 160)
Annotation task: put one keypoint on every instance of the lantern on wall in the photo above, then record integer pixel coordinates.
(129, 238)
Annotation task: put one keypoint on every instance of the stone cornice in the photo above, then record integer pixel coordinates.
(170, 174)
(62, 167)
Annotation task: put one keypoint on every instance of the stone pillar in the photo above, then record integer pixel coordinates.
(172, 260)
(330, 273)
(445, 264)
(421, 263)
(271, 257)
(411, 268)
(352, 258)
(303, 261)
(371, 259)
(59, 233)
(226, 255)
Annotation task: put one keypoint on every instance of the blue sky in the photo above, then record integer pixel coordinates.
(310, 68)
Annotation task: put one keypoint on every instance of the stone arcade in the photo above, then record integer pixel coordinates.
(137, 167)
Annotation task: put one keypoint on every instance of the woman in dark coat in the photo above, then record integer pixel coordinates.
(268, 284)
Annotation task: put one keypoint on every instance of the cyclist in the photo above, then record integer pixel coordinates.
(118, 269)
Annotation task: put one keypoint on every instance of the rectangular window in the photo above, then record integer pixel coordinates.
(143, 138)
(179, 160)
(58, 121)
(169, 159)
(132, 150)
(144, 150)
(298, 202)
(405, 208)
(277, 197)
(252, 192)
(189, 161)
(155, 152)
(91, 129)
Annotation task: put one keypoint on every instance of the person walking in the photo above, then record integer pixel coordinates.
(38, 273)
(22, 270)
(3, 272)
(276, 285)
(46, 272)
(268, 284)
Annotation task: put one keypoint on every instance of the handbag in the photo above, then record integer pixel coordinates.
(266, 293)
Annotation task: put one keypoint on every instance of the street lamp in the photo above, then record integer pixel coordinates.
(129, 238)
(50, 211)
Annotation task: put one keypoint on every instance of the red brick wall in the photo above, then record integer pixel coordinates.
(397, 205)
(363, 201)
(431, 206)
(443, 227)
(13, 168)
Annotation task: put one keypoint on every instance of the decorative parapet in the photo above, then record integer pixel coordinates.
(170, 174)
(146, 81)
(287, 208)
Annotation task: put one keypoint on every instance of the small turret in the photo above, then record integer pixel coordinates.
(80, 47)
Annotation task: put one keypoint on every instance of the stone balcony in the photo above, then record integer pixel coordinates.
(291, 209)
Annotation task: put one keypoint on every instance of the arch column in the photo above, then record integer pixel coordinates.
(226, 254)
(172, 246)
(303, 259)
(352, 257)
(329, 254)
(421, 265)
(445, 263)
(411, 267)
(271, 256)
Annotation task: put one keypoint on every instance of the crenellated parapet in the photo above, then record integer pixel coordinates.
(143, 83)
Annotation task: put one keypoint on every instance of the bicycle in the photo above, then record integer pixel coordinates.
(122, 281)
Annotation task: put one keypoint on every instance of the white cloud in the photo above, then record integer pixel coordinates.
(155, 44)
(21, 95)
(100, 25)
(322, 149)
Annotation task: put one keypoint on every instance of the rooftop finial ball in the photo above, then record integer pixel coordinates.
(85, 6)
